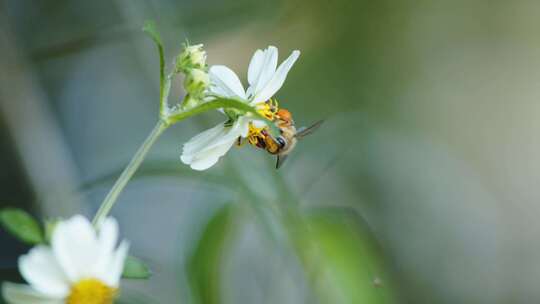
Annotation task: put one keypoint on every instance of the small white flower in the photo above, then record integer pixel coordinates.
(265, 79)
(80, 266)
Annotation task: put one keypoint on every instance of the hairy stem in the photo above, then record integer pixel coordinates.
(128, 172)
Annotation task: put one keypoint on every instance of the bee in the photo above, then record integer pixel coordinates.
(285, 143)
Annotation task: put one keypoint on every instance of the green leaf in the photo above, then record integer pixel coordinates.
(164, 83)
(22, 225)
(224, 103)
(134, 268)
(204, 265)
(343, 262)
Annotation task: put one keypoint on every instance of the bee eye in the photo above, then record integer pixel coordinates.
(281, 141)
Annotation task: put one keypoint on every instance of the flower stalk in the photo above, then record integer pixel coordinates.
(128, 172)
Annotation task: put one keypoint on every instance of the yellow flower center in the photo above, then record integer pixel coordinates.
(254, 134)
(267, 109)
(91, 291)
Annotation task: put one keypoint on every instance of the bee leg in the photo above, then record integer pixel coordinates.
(261, 143)
(240, 142)
(280, 160)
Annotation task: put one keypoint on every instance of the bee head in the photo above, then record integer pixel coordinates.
(285, 116)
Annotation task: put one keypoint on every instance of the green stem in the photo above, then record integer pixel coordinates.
(128, 172)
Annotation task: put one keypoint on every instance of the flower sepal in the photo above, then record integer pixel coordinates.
(134, 268)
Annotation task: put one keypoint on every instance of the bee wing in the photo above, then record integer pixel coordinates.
(280, 160)
(303, 131)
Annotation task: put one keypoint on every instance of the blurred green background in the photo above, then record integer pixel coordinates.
(421, 187)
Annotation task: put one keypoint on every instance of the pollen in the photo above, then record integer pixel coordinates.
(268, 109)
(91, 291)
(256, 136)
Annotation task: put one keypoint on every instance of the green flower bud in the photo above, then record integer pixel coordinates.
(190, 102)
(196, 82)
(193, 57)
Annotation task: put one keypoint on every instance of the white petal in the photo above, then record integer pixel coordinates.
(205, 149)
(277, 79)
(210, 157)
(75, 246)
(243, 125)
(261, 68)
(40, 269)
(255, 65)
(201, 141)
(224, 82)
(24, 294)
(108, 236)
(239, 128)
(116, 266)
(207, 157)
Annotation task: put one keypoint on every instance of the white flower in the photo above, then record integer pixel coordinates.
(265, 79)
(80, 266)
